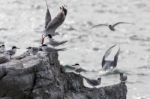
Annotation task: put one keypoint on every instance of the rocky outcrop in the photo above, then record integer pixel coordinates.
(42, 77)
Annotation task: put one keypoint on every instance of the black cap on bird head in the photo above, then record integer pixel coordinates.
(3, 45)
(76, 64)
(29, 47)
(44, 45)
(50, 36)
(99, 79)
(14, 47)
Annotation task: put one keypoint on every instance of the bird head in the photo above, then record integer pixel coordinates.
(49, 36)
(99, 79)
(29, 47)
(14, 47)
(3, 45)
(76, 64)
(44, 46)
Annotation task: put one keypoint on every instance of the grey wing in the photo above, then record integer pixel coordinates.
(47, 17)
(98, 25)
(61, 49)
(56, 22)
(120, 23)
(61, 42)
(116, 58)
(9, 52)
(106, 54)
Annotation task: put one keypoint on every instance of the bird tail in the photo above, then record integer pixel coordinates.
(61, 49)
(63, 42)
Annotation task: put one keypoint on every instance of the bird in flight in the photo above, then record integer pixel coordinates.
(52, 25)
(111, 26)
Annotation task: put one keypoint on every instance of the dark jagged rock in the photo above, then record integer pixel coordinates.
(42, 77)
(3, 59)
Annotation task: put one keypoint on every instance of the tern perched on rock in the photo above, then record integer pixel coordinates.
(111, 27)
(54, 43)
(12, 51)
(110, 62)
(33, 50)
(93, 82)
(52, 25)
(72, 67)
(123, 77)
(76, 67)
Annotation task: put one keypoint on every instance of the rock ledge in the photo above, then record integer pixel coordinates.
(42, 77)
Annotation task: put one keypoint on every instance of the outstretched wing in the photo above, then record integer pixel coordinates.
(48, 15)
(116, 58)
(98, 25)
(120, 23)
(107, 53)
(57, 21)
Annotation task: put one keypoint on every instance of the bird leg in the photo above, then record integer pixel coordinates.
(43, 37)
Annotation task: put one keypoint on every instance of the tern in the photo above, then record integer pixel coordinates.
(123, 77)
(111, 27)
(52, 25)
(12, 51)
(54, 43)
(108, 64)
(76, 67)
(72, 67)
(33, 50)
(93, 82)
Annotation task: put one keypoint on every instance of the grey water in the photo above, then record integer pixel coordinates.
(22, 23)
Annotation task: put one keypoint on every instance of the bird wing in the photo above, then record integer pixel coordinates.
(116, 58)
(48, 15)
(47, 18)
(61, 49)
(107, 54)
(120, 23)
(9, 52)
(58, 42)
(56, 22)
(98, 25)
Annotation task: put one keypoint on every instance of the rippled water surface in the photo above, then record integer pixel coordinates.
(22, 22)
